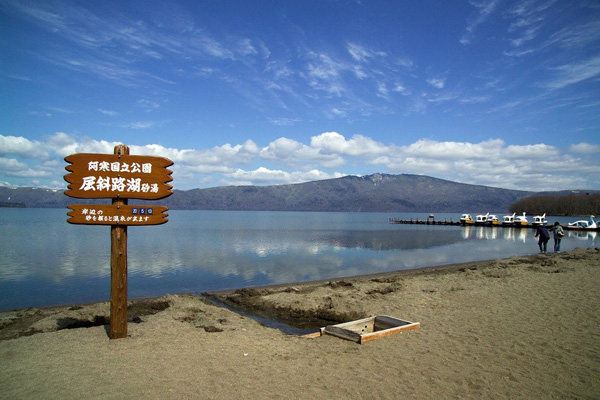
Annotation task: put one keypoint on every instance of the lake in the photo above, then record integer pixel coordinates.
(46, 261)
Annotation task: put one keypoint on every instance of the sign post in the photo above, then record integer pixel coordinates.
(118, 270)
(120, 177)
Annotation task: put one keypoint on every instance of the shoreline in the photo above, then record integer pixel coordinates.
(409, 271)
(244, 303)
(442, 268)
(520, 327)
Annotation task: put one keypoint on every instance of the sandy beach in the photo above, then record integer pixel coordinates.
(523, 328)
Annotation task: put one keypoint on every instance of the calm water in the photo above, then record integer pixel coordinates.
(46, 261)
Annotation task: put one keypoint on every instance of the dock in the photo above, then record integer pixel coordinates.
(428, 221)
(432, 221)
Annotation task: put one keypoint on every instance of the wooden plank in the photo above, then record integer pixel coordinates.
(111, 214)
(388, 332)
(385, 322)
(342, 333)
(313, 335)
(118, 176)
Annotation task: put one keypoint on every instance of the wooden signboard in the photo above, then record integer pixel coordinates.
(119, 176)
(111, 214)
(113, 176)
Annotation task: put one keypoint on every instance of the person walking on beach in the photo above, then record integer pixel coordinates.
(544, 236)
(558, 233)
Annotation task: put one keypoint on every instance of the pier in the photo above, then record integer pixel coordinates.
(428, 221)
(431, 221)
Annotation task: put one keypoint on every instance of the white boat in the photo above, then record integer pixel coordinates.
(584, 225)
(539, 220)
(466, 219)
(508, 220)
(492, 220)
(521, 220)
(481, 219)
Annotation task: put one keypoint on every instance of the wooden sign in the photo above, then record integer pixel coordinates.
(112, 214)
(118, 176)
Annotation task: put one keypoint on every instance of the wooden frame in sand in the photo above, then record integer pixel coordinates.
(370, 328)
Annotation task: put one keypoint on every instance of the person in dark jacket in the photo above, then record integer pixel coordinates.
(544, 236)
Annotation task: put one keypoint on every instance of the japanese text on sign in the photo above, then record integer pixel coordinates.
(118, 184)
(118, 176)
(111, 214)
(119, 167)
(94, 215)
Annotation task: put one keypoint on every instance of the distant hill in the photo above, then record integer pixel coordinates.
(372, 193)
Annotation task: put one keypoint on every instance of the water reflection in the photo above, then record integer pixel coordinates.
(44, 260)
(588, 237)
(401, 239)
(492, 233)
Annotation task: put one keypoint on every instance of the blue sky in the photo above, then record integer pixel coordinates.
(494, 92)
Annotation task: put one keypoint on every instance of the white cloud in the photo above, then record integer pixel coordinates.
(484, 9)
(437, 83)
(382, 90)
(474, 99)
(10, 167)
(400, 88)
(442, 97)
(569, 74)
(405, 63)
(576, 36)
(22, 147)
(357, 146)
(362, 54)
(325, 74)
(431, 149)
(10, 164)
(267, 176)
(147, 105)
(29, 173)
(533, 151)
(413, 165)
(62, 144)
(284, 121)
(110, 113)
(219, 156)
(491, 162)
(288, 151)
(246, 48)
(585, 148)
(140, 125)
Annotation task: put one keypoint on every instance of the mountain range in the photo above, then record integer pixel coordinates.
(371, 193)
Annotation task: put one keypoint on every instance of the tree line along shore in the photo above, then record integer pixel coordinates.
(574, 204)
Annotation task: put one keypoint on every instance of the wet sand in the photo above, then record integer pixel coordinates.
(522, 327)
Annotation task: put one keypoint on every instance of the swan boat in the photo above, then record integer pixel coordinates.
(466, 219)
(539, 220)
(583, 225)
(481, 219)
(508, 220)
(493, 220)
(521, 220)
